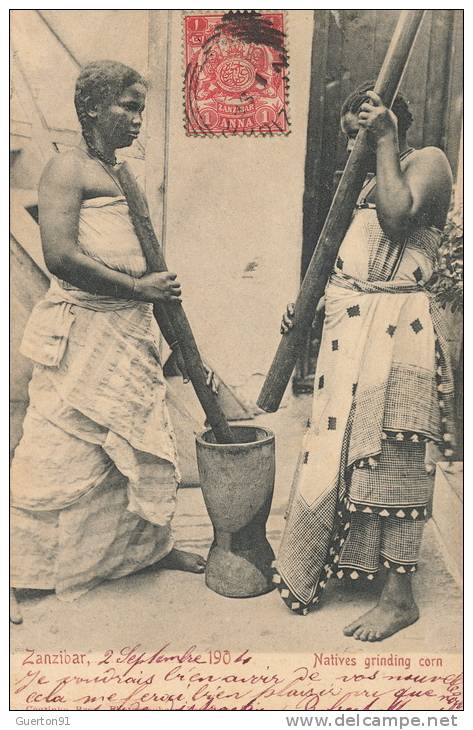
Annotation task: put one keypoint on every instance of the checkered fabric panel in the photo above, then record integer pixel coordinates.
(384, 252)
(411, 401)
(399, 479)
(427, 241)
(444, 378)
(407, 403)
(362, 547)
(401, 540)
(367, 422)
(311, 536)
(372, 539)
(304, 547)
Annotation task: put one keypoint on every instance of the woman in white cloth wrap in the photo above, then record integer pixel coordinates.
(94, 477)
(382, 387)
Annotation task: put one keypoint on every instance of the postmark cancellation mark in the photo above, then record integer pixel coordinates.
(236, 74)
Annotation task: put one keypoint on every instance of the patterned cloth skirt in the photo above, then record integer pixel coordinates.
(361, 492)
(387, 506)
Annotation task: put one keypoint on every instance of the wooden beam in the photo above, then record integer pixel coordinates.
(315, 130)
(458, 189)
(455, 92)
(79, 62)
(436, 93)
(157, 116)
(27, 97)
(59, 39)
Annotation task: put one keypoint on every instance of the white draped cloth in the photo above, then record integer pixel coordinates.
(94, 476)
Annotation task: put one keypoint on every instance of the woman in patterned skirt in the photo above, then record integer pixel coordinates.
(383, 386)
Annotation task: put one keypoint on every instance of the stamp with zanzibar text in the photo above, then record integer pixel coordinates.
(236, 74)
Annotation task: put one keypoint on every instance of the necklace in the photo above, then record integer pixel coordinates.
(117, 183)
(94, 152)
(406, 152)
(103, 165)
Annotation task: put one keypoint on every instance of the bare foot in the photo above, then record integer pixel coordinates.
(396, 609)
(15, 613)
(182, 560)
(382, 621)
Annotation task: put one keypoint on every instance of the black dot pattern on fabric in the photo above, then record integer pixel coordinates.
(340, 263)
(418, 274)
(353, 311)
(353, 388)
(321, 382)
(391, 330)
(332, 423)
(417, 325)
(334, 345)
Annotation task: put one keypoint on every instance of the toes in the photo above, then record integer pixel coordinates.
(364, 635)
(193, 564)
(373, 636)
(197, 563)
(351, 628)
(181, 560)
(358, 633)
(15, 613)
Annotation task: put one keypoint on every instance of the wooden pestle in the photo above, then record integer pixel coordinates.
(173, 312)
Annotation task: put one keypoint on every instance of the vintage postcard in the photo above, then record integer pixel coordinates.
(236, 360)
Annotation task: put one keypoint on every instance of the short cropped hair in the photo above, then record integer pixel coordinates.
(101, 81)
(400, 107)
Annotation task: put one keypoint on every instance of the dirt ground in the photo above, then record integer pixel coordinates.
(156, 607)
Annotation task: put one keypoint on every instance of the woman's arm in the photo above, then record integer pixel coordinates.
(60, 198)
(419, 194)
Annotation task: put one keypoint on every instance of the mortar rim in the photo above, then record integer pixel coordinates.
(270, 436)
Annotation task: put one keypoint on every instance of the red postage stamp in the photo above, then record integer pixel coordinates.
(236, 74)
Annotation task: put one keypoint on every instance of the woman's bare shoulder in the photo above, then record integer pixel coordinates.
(64, 169)
(432, 159)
